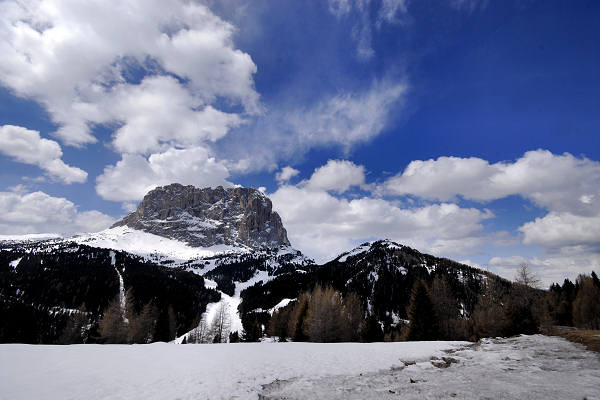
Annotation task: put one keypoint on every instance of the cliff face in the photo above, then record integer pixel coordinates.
(207, 217)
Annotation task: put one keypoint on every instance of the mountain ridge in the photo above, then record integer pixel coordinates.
(232, 247)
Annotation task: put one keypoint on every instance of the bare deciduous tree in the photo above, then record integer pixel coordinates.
(525, 276)
(488, 317)
(586, 306)
(112, 327)
(201, 333)
(297, 317)
(221, 323)
(324, 316)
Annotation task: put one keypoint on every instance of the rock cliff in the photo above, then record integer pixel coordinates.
(207, 217)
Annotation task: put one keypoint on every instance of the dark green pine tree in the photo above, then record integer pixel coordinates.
(423, 321)
(372, 331)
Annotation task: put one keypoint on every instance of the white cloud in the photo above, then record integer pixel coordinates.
(286, 174)
(560, 229)
(554, 182)
(68, 55)
(348, 118)
(160, 112)
(337, 176)
(134, 175)
(566, 186)
(39, 212)
(385, 12)
(323, 225)
(344, 120)
(26, 146)
(390, 10)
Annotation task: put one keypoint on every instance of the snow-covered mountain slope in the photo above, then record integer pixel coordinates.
(152, 247)
(247, 243)
(382, 273)
(229, 269)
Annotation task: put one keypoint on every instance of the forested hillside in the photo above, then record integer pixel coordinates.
(42, 291)
(62, 292)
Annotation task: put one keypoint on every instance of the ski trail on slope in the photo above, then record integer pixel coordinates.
(232, 302)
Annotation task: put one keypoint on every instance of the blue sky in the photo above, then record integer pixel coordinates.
(467, 129)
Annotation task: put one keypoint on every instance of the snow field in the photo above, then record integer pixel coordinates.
(525, 367)
(202, 371)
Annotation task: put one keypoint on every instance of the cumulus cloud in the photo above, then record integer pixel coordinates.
(286, 174)
(568, 187)
(160, 112)
(69, 55)
(39, 212)
(554, 182)
(337, 176)
(559, 229)
(135, 175)
(324, 225)
(26, 146)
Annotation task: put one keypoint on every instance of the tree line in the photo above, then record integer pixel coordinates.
(324, 314)
(434, 312)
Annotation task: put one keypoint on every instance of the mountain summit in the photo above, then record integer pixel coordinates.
(208, 217)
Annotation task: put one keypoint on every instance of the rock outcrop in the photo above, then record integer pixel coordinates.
(207, 217)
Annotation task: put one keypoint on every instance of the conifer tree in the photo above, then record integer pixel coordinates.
(423, 321)
(141, 326)
(252, 329)
(353, 317)
(372, 331)
(77, 327)
(445, 307)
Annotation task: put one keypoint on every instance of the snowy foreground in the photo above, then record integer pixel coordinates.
(524, 367)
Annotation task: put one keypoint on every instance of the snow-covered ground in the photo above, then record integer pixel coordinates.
(535, 367)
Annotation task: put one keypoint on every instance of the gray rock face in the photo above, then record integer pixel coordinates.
(208, 217)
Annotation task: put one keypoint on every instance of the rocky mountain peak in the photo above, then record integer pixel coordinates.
(209, 216)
